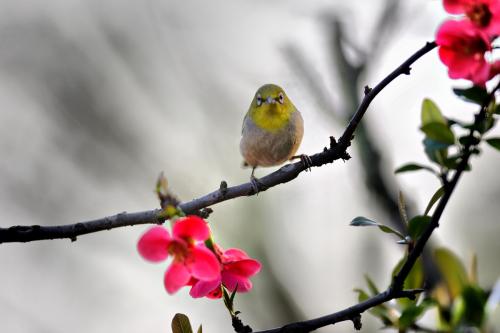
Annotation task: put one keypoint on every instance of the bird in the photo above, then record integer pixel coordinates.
(272, 131)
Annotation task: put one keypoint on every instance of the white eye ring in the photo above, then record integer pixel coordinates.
(281, 98)
(259, 100)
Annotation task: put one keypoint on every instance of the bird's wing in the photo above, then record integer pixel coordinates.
(243, 124)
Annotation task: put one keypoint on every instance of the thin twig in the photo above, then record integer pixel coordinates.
(349, 313)
(283, 175)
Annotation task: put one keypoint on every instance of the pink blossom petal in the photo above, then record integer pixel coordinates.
(176, 277)
(153, 245)
(230, 281)
(462, 48)
(203, 288)
(203, 264)
(459, 66)
(234, 254)
(454, 6)
(243, 268)
(480, 73)
(485, 15)
(215, 294)
(452, 30)
(191, 227)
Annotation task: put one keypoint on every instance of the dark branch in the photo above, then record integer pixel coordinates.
(283, 175)
(351, 313)
(71, 231)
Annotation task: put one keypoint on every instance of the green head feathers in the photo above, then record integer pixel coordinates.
(271, 108)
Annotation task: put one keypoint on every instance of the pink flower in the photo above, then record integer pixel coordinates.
(237, 268)
(191, 259)
(462, 48)
(484, 14)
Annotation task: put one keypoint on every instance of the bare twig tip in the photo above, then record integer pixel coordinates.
(356, 320)
(333, 142)
(205, 212)
(223, 187)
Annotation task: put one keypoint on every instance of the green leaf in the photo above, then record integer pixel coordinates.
(382, 312)
(181, 324)
(488, 124)
(227, 300)
(410, 315)
(389, 230)
(452, 270)
(494, 142)
(417, 225)
(371, 285)
(362, 221)
(413, 167)
(436, 151)
(452, 162)
(413, 312)
(439, 132)
(414, 280)
(200, 330)
(362, 295)
(434, 145)
(416, 277)
(474, 94)
(439, 193)
(431, 113)
(469, 308)
(231, 298)
(497, 109)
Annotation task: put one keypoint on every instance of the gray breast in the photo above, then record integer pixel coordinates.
(265, 148)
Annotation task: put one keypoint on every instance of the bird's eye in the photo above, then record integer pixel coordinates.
(281, 98)
(259, 100)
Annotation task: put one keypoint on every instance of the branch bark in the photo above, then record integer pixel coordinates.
(283, 175)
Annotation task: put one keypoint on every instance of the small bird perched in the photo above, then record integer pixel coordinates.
(272, 130)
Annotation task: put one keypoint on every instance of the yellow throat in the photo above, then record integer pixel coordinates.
(271, 108)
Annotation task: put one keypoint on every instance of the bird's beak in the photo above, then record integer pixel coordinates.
(270, 100)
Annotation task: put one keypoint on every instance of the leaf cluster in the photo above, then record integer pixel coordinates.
(460, 302)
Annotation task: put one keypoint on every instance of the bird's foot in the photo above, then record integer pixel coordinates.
(257, 186)
(306, 161)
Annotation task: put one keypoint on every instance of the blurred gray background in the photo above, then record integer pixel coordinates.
(98, 97)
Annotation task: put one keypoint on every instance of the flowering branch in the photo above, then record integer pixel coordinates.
(337, 150)
(395, 290)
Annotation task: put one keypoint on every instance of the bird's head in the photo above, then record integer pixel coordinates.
(271, 108)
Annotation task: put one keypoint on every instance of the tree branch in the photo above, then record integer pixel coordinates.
(350, 313)
(283, 175)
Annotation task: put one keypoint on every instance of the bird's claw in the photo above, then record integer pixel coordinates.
(257, 186)
(306, 161)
